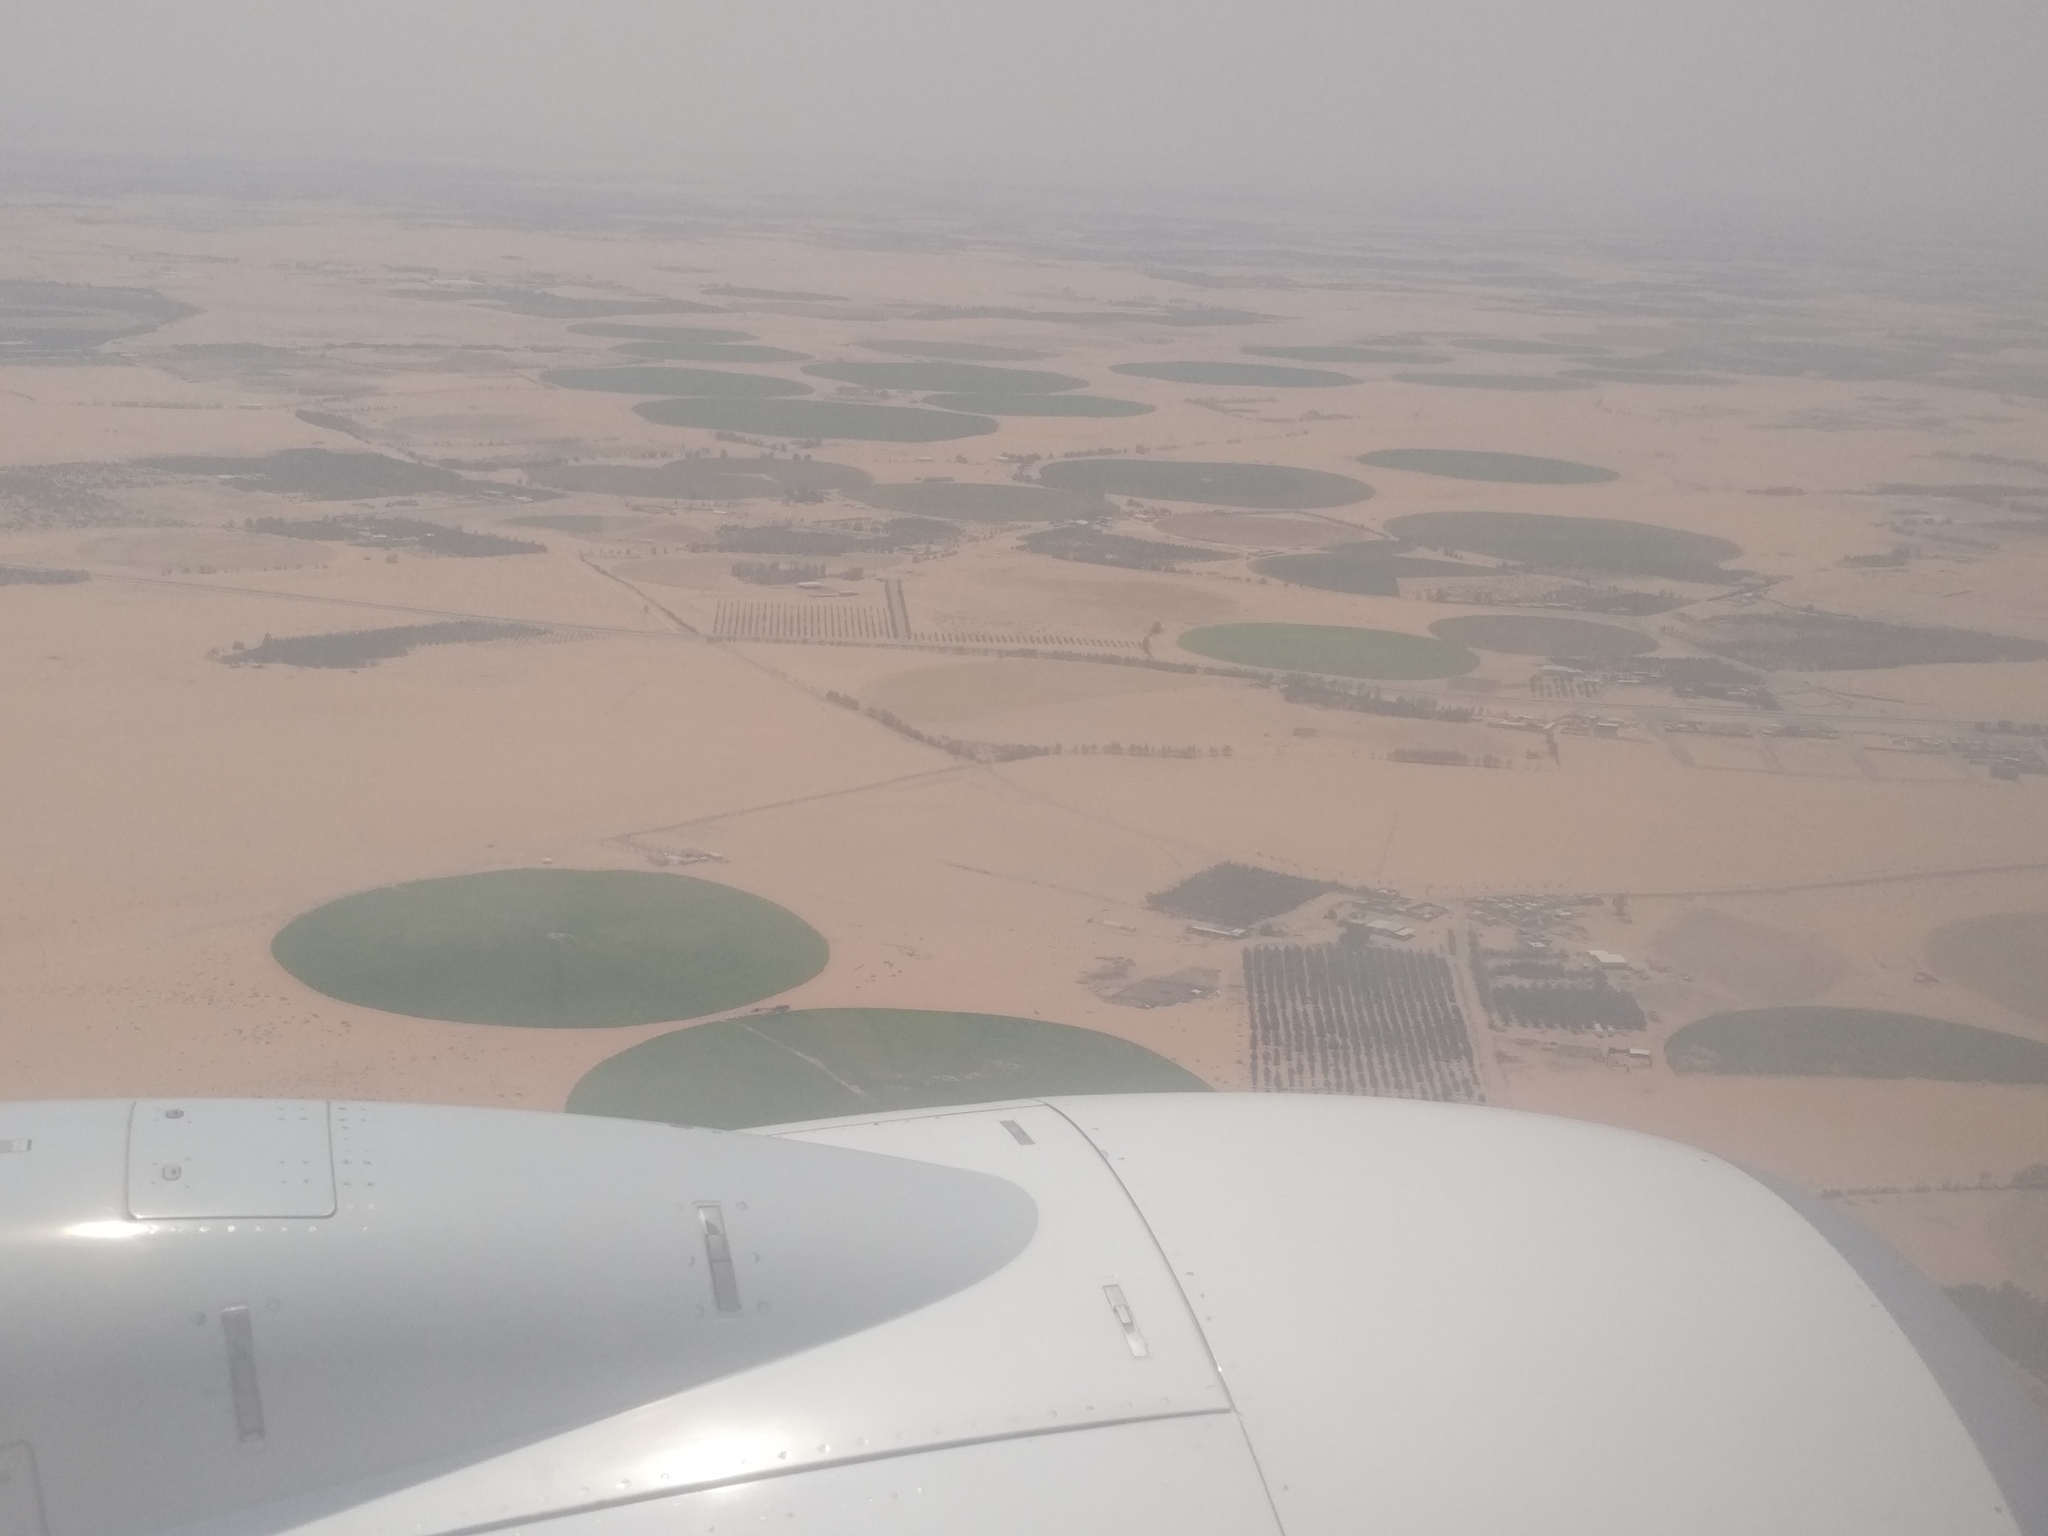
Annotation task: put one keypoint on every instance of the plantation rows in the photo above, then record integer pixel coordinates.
(740, 619)
(1348, 1018)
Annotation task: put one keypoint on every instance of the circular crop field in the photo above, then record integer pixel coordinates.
(819, 419)
(710, 352)
(1246, 375)
(955, 351)
(965, 501)
(551, 948)
(2003, 957)
(1472, 464)
(1262, 487)
(1333, 649)
(1854, 1042)
(770, 1068)
(1529, 382)
(699, 383)
(962, 378)
(1411, 356)
(1572, 543)
(1040, 405)
(1514, 635)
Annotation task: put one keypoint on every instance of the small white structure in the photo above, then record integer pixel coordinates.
(1387, 930)
(1608, 960)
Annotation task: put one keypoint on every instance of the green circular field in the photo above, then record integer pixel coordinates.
(1262, 487)
(955, 351)
(699, 383)
(551, 948)
(771, 1068)
(1040, 405)
(1527, 382)
(710, 352)
(1329, 648)
(1604, 544)
(967, 502)
(962, 378)
(1473, 464)
(2003, 957)
(1517, 635)
(1246, 375)
(1412, 357)
(819, 419)
(1854, 1042)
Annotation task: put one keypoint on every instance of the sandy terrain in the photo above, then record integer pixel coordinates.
(169, 813)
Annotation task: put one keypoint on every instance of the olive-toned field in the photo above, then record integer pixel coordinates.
(731, 669)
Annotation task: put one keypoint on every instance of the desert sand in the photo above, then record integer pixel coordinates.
(168, 813)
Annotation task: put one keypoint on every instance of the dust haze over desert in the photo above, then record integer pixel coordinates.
(1477, 552)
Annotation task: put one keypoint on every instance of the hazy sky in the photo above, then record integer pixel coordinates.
(1897, 103)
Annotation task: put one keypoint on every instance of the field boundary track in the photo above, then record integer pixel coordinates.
(432, 613)
(1847, 882)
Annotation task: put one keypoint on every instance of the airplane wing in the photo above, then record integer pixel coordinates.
(1205, 1315)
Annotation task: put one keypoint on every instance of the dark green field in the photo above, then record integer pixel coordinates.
(955, 351)
(770, 1068)
(551, 948)
(2003, 956)
(813, 419)
(697, 383)
(1799, 640)
(1412, 357)
(1603, 544)
(1245, 375)
(962, 378)
(1261, 487)
(969, 503)
(1854, 1042)
(1368, 568)
(1334, 649)
(1529, 382)
(1517, 635)
(1039, 405)
(710, 352)
(1473, 464)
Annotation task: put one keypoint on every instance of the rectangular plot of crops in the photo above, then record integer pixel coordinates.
(1350, 1018)
(740, 619)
